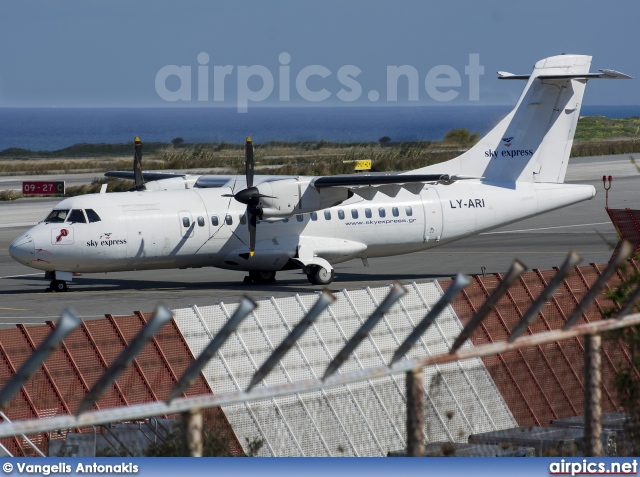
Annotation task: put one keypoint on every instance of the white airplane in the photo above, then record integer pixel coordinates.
(271, 223)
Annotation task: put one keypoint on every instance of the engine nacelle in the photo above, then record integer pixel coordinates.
(288, 197)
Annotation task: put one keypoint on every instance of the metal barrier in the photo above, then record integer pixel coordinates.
(191, 407)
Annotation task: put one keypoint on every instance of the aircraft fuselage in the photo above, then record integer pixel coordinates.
(200, 227)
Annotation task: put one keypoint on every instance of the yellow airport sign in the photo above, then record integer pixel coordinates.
(363, 165)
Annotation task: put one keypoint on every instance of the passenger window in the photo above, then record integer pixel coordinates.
(395, 212)
(77, 216)
(382, 212)
(408, 210)
(201, 221)
(243, 219)
(354, 213)
(327, 215)
(186, 222)
(56, 216)
(214, 220)
(314, 216)
(228, 219)
(367, 213)
(341, 214)
(92, 216)
(299, 218)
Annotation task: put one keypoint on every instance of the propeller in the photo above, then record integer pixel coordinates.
(250, 196)
(137, 164)
(248, 162)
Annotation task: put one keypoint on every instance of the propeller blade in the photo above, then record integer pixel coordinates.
(248, 162)
(137, 162)
(252, 212)
(250, 196)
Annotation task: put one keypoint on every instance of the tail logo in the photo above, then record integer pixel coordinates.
(507, 141)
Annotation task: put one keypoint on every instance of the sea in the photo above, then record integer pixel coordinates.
(48, 129)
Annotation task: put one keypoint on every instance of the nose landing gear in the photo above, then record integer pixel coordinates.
(58, 281)
(58, 286)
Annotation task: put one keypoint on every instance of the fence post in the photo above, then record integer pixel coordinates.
(592, 394)
(192, 432)
(415, 413)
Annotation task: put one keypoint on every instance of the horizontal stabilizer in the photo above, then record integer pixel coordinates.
(507, 75)
(613, 74)
(604, 74)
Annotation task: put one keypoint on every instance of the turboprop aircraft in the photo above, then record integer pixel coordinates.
(263, 224)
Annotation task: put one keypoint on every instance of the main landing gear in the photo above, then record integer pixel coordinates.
(320, 276)
(316, 275)
(260, 276)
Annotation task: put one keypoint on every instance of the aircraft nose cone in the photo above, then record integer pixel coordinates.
(22, 249)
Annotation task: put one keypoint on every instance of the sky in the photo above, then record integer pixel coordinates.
(288, 53)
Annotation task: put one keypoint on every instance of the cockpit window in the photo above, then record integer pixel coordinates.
(57, 216)
(76, 216)
(92, 216)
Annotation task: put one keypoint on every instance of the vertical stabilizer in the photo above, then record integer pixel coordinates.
(533, 143)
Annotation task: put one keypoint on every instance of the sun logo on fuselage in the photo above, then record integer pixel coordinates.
(63, 233)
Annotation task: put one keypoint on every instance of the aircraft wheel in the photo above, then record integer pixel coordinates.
(320, 276)
(262, 276)
(59, 286)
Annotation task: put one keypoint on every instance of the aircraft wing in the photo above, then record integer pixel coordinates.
(366, 180)
(348, 181)
(200, 181)
(146, 176)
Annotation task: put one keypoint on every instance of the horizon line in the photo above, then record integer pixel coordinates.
(299, 106)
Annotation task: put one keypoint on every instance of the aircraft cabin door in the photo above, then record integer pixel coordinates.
(432, 215)
(145, 233)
